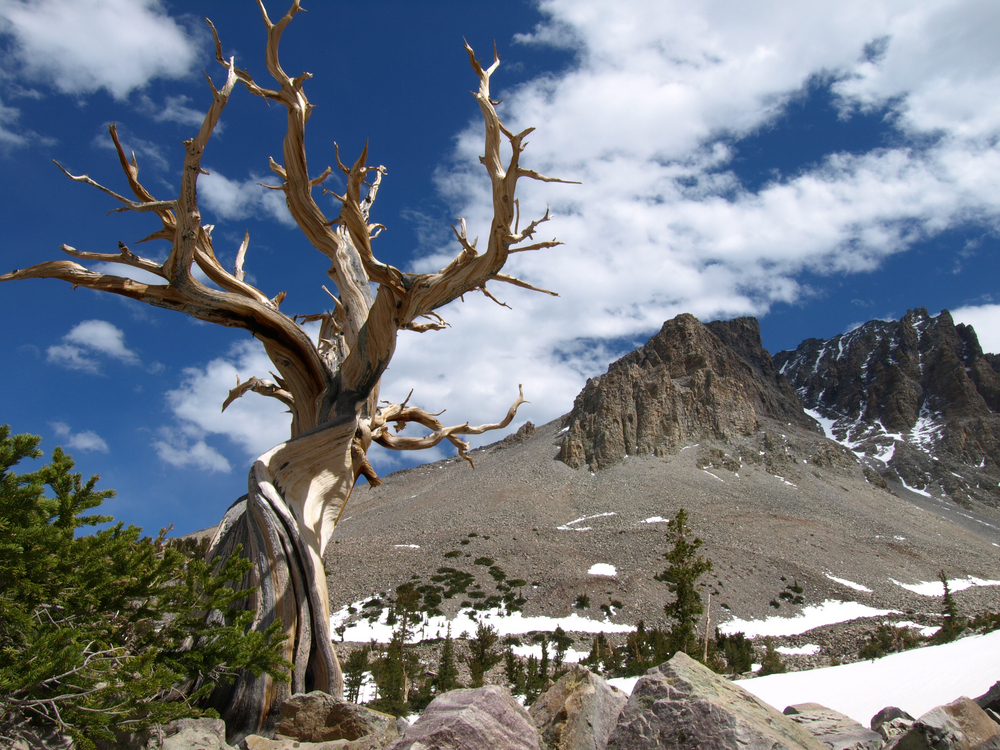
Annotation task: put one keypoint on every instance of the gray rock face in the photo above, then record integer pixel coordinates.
(886, 376)
(959, 725)
(579, 712)
(486, 718)
(682, 704)
(832, 728)
(689, 381)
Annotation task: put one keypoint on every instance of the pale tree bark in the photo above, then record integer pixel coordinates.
(298, 489)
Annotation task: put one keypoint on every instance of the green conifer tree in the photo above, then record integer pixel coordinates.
(514, 671)
(771, 662)
(685, 567)
(951, 622)
(562, 643)
(355, 667)
(97, 631)
(482, 656)
(447, 674)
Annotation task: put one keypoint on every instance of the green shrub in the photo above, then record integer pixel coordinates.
(771, 662)
(887, 639)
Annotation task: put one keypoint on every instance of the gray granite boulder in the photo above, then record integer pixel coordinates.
(891, 722)
(832, 728)
(486, 718)
(990, 700)
(321, 717)
(684, 705)
(578, 712)
(959, 725)
(255, 742)
(189, 734)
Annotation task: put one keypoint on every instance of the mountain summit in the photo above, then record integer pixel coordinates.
(918, 395)
(688, 382)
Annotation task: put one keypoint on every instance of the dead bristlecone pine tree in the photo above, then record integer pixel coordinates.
(298, 489)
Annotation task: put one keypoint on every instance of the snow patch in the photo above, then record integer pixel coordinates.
(571, 526)
(406, 546)
(656, 519)
(602, 569)
(829, 612)
(810, 649)
(849, 584)
(466, 622)
(934, 588)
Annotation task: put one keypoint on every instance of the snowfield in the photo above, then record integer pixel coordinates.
(915, 681)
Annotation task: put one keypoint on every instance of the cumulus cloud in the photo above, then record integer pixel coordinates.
(87, 440)
(178, 449)
(986, 320)
(88, 341)
(79, 46)
(650, 119)
(252, 423)
(235, 199)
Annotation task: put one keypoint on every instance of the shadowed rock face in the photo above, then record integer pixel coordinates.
(689, 381)
(904, 390)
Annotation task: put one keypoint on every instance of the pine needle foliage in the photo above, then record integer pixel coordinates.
(684, 567)
(107, 632)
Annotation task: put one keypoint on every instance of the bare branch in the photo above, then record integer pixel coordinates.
(440, 432)
(125, 257)
(240, 256)
(128, 205)
(489, 295)
(263, 387)
(523, 284)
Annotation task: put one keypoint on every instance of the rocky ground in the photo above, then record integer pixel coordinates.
(779, 508)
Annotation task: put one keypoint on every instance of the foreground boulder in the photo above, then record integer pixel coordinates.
(959, 725)
(832, 728)
(684, 705)
(486, 718)
(321, 717)
(990, 700)
(579, 712)
(891, 722)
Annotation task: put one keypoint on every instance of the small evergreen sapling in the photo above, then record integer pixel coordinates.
(482, 654)
(951, 622)
(685, 567)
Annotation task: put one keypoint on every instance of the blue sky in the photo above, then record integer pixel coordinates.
(816, 165)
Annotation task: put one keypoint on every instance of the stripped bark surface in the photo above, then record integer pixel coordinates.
(299, 488)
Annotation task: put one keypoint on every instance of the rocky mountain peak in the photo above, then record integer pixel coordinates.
(687, 382)
(917, 394)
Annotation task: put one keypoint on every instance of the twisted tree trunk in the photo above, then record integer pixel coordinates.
(299, 488)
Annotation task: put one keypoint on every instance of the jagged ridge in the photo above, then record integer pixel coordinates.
(917, 394)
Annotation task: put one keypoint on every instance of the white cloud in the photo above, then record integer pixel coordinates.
(986, 320)
(176, 109)
(231, 199)
(87, 440)
(88, 339)
(254, 423)
(649, 120)
(81, 46)
(177, 449)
